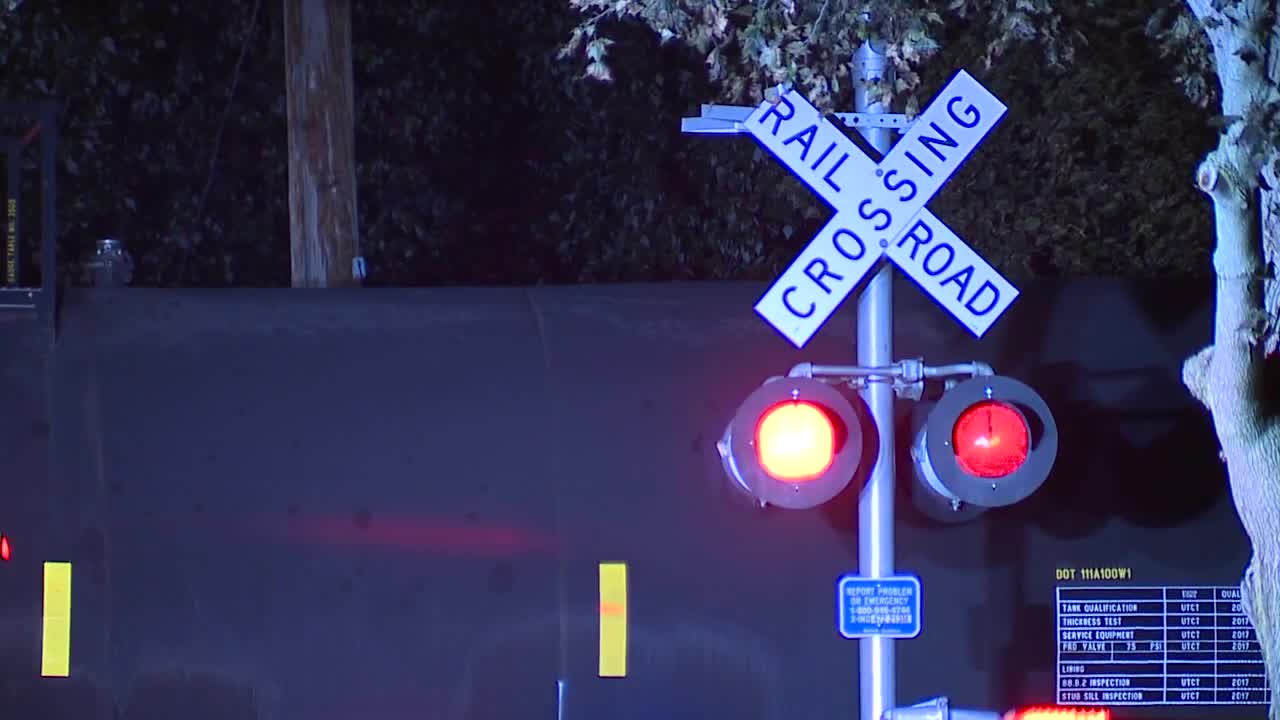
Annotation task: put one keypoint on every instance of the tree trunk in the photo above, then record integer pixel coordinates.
(323, 229)
(1228, 376)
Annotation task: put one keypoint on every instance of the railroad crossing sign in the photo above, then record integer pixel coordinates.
(880, 210)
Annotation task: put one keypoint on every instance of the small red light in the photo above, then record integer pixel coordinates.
(5, 552)
(795, 441)
(990, 439)
(1059, 713)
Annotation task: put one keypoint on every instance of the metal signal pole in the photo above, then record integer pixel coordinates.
(877, 684)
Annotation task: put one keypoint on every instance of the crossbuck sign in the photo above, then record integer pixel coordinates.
(880, 210)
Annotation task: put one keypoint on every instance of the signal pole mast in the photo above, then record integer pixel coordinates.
(876, 656)
(961, 464)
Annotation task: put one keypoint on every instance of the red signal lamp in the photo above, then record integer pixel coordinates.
(1059, 713)
(988, 442)
(990, 439)
(794, 443)
(940, 709)
(5, 551)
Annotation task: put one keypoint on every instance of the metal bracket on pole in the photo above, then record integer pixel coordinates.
(728, 120)
(717, 120)
(937, 709)
(900, 123)
(906, 376)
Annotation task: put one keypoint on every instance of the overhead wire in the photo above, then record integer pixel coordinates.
(222, 122)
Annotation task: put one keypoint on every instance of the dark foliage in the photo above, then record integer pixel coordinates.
(485, 159)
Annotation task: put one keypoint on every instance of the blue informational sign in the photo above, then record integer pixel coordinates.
(878, 607)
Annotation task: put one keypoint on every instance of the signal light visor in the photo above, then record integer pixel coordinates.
(988, 442)
(793, 443)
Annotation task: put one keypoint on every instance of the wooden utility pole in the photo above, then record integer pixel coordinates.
(323, 224)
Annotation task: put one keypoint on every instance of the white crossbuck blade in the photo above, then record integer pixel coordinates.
(880, 210)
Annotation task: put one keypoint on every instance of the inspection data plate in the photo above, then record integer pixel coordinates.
(1161, 645)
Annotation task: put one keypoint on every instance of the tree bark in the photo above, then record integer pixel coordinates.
(1227, 377)
(323, 225)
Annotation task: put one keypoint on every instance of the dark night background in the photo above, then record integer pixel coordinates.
(482, 159)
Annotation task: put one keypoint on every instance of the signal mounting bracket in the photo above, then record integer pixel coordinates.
(907, 376)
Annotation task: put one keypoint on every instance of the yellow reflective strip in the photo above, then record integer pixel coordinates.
(613, 620)
(55, 655)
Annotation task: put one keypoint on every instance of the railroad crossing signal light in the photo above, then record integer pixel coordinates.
(794, 442)
(988, 442)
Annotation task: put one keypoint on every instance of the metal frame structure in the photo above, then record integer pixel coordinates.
(728, 119)
(15, 293)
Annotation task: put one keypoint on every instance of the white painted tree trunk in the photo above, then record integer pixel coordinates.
(1227, 376)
